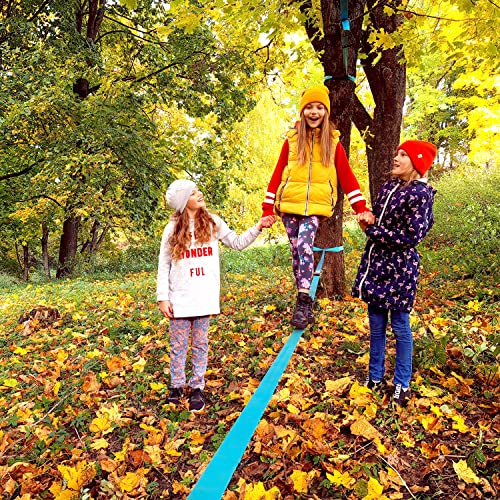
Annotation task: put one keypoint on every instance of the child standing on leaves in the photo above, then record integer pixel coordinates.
(303, 188)
(189, 282)
(388, 273)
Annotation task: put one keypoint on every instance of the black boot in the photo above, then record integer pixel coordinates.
(303, 309)
(310, 314)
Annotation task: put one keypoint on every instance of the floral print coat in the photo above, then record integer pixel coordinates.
(389, 268)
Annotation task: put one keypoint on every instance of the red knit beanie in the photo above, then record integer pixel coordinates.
(422, 154)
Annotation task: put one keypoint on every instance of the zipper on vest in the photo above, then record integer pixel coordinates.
(310, 175)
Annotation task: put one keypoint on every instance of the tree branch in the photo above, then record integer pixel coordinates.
(361, 118)
(18, 174)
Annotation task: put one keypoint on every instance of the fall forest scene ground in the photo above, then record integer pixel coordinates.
(103, 103)
(83, 393)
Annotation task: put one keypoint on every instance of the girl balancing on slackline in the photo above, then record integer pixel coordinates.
(303, 188)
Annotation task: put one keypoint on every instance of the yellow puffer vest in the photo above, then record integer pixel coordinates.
(309, 189)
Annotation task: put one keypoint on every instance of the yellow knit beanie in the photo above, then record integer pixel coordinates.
(318, 93)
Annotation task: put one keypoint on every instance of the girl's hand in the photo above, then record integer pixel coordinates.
(266, 221)
(166, 308)
(365, 219)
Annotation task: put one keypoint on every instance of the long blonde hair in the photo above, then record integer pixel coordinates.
(180, 239)
(326, 140)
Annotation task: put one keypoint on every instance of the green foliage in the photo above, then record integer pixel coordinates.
(467, 217)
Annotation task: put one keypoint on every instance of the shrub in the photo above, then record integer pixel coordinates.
(464, 240)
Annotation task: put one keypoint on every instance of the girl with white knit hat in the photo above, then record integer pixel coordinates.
(188, 283)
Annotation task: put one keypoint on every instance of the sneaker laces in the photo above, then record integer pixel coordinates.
(397, 391)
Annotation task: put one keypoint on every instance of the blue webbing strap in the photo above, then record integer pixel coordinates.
(346, 26)
(215, 478)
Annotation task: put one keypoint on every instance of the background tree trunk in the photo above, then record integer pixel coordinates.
(68, 246)
(342, 106)
(45, 249)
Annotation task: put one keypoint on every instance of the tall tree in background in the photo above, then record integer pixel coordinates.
(339, 51)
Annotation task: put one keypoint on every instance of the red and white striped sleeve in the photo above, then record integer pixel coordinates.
(274, 183)
(348, 181)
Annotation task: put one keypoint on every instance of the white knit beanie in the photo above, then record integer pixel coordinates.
(178, 194)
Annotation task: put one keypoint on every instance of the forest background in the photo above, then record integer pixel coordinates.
(104, 103)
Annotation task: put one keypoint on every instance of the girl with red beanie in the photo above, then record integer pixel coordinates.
(303, 188)
(389, 269)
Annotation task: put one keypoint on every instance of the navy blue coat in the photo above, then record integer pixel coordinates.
(389, 268)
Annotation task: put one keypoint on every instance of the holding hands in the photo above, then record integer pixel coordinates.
(266, 222)
(365, 219)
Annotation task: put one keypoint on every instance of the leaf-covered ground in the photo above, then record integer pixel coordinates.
(83, 411)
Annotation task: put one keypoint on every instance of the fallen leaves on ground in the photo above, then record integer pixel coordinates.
(84, 379)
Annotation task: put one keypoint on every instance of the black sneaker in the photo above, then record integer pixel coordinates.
(401, 396)
(175, 395)
(303, 308)
(375, 386)
(196, 401)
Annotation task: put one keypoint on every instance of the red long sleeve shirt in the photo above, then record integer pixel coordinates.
(345, 175)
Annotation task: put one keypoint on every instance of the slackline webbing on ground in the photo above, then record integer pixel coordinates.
(214, 480)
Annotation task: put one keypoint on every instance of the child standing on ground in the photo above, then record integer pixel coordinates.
(189, 282)
(303, 188)
(388, 273)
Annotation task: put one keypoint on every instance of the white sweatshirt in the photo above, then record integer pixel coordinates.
(192, 284)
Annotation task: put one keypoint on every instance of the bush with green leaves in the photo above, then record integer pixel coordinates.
(465, 238)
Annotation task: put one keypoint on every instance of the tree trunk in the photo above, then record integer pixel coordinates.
(387, 79)
(342, 106)
(45, 249)
(68, 246)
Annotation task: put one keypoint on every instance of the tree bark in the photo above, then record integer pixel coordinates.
(387, 79)
(68, 246)
(45, 249)
(342, 106)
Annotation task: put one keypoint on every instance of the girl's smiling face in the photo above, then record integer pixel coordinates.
(403, 167)
(314, 114)
(196, 201)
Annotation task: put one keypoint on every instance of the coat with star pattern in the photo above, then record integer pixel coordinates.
(389, 268)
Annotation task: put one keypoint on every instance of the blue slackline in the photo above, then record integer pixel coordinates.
(215, 478)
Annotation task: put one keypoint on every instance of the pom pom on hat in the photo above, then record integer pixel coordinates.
(178, 194)
(422, 154)
(318, 93)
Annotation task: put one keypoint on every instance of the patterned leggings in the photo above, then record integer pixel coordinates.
(301, 231)
(180, 330)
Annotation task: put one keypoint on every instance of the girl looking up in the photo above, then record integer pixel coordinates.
(188, 282)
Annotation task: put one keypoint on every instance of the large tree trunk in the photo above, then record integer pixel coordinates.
(387, 79)
(342, 106)
(68, 246)
(45, 249)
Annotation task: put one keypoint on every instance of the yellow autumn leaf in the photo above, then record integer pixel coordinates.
(299, 479)
(258, 492)
(459, 424)
(338, 386)
(361, 427)
(292, 409)
(129, 481)
(99, 444)
(464, 472)
(196, 438)
(10, 382)
(20, 350)
(56, 388)
(339, 479)
(75, 477)
(139, 365)
(157, 386)
(375, 490)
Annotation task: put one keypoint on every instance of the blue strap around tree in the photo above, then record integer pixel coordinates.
(214, 480)
(346, 26)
